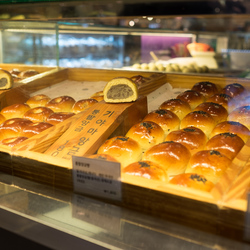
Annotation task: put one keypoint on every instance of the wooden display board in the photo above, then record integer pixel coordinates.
(221, 211)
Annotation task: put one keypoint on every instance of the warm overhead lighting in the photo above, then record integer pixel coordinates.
(131, 23)
(150, 18)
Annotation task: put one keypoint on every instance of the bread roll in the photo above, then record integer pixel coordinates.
(209, 163)
(234, 90)
(199, 119)
(38, 101)
(193, 98)
(147, 134)
(168, 120)
(61, 104)
(226, 143)
(35, 129)
(58, 117)
(103, 157)
(241, 115)
(98, 96)
(207, 89)
(231, 127)
(83, 104)
(2, 119)
(38, 114)
(177, 106)
(15, 110)
(192, 180)
(15, 71)
(13, 127)
(225, 100)
(172, 156)
(194, 139)
(28, 73)
(13, 141)
(124, 149)
(119, 90)
(217, 111)
(146, 169)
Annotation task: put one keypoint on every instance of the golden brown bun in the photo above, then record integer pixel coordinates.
(225, 100)
(226, 143)
(217, 111)
(13, 127)
(16, 78)
(231, 127)
(58, 117)
(172, 156)
(38, 101)
(192, 180)
(15, 110)
(13, 141)
(28, 73)
(146, 169)
(168, 120)
(147, 134)
(193, 98)
(241, 115)
(124, 149)
(82, 105)
(38, 114)
(177, 106)
(103, 157)
(35, 129)
(234, 90)
(2, 119)
(61, 104)
(207, 89)
(199, 119)
(194, 139)
(210, 163)
(15, 71)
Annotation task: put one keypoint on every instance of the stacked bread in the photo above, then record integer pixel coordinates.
(190, 140)
(21, 121)
(19, 75)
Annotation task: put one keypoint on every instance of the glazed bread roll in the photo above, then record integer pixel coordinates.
(147, 134)
(226, 143)
(15, 110)
(168, 120)
(207, 89)
(193, 98)
(217, 111)
(199, 119)
(172, 156)
(28, 73)
(234, 90)
(98, 96)
(209, 163)
(241, 115)
(13, 127)
(2, 119)
(82, 105)
(15, 71)
(35, 129)
(38, 114)
(192, 180)
(194, 139)
(124, 149)
(61, 104)
(58, 117)
(13, 141)
(177, 106)
(225, 100)
(38, 101)
(231, 127)
(146, 169)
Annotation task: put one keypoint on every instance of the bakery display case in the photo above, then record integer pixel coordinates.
(77, 48)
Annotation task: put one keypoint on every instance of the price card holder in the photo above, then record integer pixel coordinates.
(247, 220)
(98, 178)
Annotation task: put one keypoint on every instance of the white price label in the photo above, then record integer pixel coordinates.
(97, 177)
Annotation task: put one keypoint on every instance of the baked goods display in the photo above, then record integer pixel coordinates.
(146, 169)
(241, 115)
(61, 104)
(19, 75)
(206, 88)
(15, 110)
(38, 101)
(83, 104)
(57, 117)
(234, 90)
(38, 114)
(13, 141)
(35, 128)
(223, 99)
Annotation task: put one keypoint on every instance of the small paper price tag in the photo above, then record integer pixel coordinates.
(97, 177)
(247, 220)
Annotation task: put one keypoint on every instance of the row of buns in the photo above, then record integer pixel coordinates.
(190, 140)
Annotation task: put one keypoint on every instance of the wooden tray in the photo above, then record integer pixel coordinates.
(208, 211)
